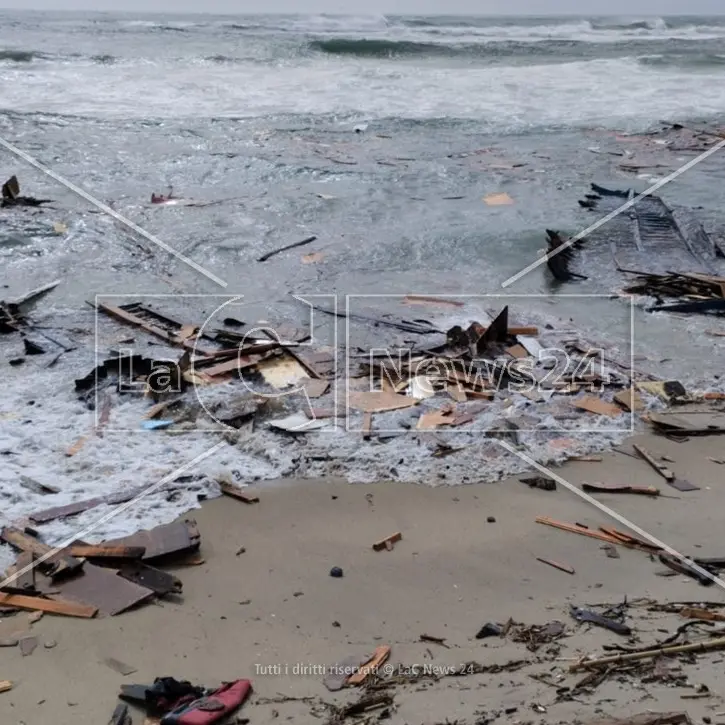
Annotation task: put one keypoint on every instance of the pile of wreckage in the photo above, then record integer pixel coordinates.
(646, 232)
(82, 580)
(465, 366)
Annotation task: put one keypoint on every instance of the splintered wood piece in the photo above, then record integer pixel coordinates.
(517, 351)
(576, 529)
(98, 551)
(694, 613)
(561, 567)
(665, 472)
(381, 655)
(388, 542)
(229, 489)
(367, 426)
(629, 399)
(615, 488)
(56, 606)
(374, 402)
(5, 685)
(597, 406)
(426, 299)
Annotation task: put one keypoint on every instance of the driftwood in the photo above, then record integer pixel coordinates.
(307, 240)
(713, 644)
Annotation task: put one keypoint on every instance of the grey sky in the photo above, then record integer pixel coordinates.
(360, 7)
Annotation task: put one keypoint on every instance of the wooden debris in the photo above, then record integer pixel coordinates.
(597, 406)
(379, 402)
(370, 668)
(60, 512)
(665, 472)
(577, 529)
(59, 564)
(498, 199)
(617, 488)
(175, 539)
(103, 589)
(25, 582)
(646, 718)
(103, 551)
(707, 646)
(5, 686)
(587, 459)
(268, 255)
(230, 489)
(629, 399)
(561, 567)
(435, 640)
(706, 614)
(426, 299)
(56, 606)
(388, 542)
(367, 426)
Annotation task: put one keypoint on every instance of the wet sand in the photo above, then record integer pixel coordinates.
(275, 604)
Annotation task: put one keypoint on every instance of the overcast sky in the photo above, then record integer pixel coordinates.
(360, 7)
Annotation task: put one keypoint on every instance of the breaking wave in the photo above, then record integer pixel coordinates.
(694, 61)
(381, 48)
(20, 56)
(630, 24)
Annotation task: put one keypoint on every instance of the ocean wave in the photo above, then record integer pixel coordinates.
(630, 24)
(20, 56)
(385, 48)
(693, 61)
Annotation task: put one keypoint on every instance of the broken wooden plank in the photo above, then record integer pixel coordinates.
(5, 686)
(646, 718)
(306, 240)
(103, 589)
(706, 614)
(665, 472)
(24, 583)
(371, 667)
(367, 426)
(620, 488)
(375, 402)
(430, 299)
(160, 582)
(72, 509)
(597, 406)
(97, 551)
(179, 537)
(556, 565)
(629, 399)
(59, 564)
(577, 529)
(388, 542)
(230, 489)
(55, 606)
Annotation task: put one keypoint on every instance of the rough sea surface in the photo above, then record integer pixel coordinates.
(259, 114)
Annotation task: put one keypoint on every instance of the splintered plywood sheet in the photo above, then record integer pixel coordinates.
(499, 199)
(102, 588)
(315, 388)
(629, 399)
(282, 372)
(373, 402)
(597, 406)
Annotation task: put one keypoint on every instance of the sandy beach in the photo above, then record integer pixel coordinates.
(274, 604)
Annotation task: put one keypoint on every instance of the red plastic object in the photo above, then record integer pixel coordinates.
(210, 709)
